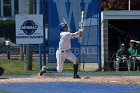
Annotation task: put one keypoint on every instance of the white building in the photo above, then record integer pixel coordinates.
(8, 8)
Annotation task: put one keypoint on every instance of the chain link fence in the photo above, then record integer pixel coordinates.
(31, 57)
(26, 57)
(21, 58)
(15, 57)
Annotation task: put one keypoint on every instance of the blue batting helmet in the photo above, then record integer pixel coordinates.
(61, 25)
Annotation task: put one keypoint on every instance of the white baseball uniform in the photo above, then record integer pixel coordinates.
(63, 52)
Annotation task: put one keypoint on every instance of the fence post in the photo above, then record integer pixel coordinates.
(28, 58)
(21, 53)
(8, 51)
(28, 50)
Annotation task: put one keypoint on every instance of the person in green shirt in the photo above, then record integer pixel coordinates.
(122, 55)
(134, 50)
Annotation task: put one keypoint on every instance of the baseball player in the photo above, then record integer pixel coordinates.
(134, 50)
(122, 55)
(63, 52)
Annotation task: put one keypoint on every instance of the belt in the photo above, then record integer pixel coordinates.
(63, 50)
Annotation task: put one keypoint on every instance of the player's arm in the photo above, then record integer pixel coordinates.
(118, 56)
(77, 34)
(135, 41)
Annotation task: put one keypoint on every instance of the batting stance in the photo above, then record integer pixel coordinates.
(63, 52)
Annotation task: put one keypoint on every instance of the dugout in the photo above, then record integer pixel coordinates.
(118, 27)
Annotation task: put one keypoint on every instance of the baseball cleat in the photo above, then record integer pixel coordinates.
(76, 77)
(41, 73)
(43, 70)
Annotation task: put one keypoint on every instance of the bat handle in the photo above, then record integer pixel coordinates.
(80, 39)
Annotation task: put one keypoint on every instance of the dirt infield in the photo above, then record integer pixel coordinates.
(131, 80)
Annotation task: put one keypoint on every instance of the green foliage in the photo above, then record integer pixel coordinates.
(120, 4)
(7, 29)
(117, 4)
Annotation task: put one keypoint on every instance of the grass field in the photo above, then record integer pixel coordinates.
(7, 92)
(16, 67)
(18, 92)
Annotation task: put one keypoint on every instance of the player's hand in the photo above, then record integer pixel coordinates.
(124, 59)
(81, 31)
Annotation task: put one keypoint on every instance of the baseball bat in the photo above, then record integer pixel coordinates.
(81, 24)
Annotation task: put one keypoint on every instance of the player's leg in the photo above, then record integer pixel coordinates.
(75, 61)
(60, 61)
(57, 59)
(60, 56)
(75, 67)
(44, 68)
(133, 62)
(128, 64)
(117, 64)
(138, 59)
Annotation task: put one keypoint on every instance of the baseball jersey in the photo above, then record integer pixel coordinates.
(65, 41)
(121, 53)
(135, 51)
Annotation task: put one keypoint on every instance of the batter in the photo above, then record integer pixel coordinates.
(63, 52)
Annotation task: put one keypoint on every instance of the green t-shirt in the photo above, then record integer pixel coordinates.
(120, 53)
(135, 51)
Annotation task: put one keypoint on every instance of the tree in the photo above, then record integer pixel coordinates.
(7, 29)
(117, 4)
(120, 4)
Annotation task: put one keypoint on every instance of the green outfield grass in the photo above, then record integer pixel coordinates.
(18, 92)
(128, 92)
(7, 92)
(16, 67)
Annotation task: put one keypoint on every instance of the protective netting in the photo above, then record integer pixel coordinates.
(88, 50)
